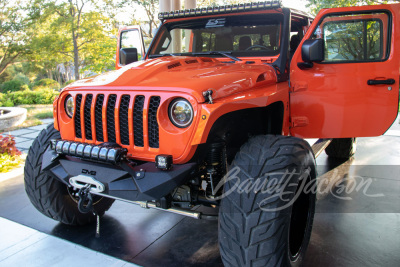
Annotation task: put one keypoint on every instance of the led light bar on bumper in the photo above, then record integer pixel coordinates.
(112, 154)
(220, 9)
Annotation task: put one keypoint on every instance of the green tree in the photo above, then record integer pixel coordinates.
(150, 8)
(71, 31)
(317, 5)
(14, 32)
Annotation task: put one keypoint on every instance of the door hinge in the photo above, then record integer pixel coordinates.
(299, 122)
(299, 86)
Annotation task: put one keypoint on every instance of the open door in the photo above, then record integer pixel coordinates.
(345, 74)
(130, 47)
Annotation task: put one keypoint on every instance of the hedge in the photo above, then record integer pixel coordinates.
(44, 96)
(45, 83)
(12, 86)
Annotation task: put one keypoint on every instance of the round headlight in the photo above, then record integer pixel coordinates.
(69, 106)
(181, 113)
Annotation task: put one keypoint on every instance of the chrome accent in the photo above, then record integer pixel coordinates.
(111, 155)
(80, 181)
(152, 205)
(72, 149)
(95, 152)
(59, 146)
(65, 147)
(103, 153)
(68, 104)
(87, 150)
(79, 150)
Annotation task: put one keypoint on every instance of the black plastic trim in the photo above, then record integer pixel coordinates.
(133, 183)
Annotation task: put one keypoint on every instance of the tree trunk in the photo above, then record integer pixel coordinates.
(76, 56)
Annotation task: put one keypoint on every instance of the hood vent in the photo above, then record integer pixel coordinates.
(191, 61)
(260, 78)
(207, 60)
(177, 64)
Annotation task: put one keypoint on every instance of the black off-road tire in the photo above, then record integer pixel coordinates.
(341, 148)
(47, 194)
(255, 228)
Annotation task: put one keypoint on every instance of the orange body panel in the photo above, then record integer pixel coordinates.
(333, 100)
(327, 101)
(242, 86)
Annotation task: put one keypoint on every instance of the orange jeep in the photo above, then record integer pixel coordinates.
(214, 114)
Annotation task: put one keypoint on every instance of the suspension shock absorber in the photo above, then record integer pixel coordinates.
(216, 165)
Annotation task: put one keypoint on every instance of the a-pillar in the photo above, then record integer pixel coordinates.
(170, 5)
(189, 4)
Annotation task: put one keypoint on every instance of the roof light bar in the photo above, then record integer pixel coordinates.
(99, 153)
(220, 9)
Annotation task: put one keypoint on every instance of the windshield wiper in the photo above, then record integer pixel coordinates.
(225, 54)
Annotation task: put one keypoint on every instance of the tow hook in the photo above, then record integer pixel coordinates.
(85, 196)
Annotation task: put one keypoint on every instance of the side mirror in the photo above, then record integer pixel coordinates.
(128, 55)
(313, 50)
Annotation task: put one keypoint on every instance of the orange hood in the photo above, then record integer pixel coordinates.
(192, 75)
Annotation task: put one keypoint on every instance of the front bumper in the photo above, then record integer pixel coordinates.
(122, 180)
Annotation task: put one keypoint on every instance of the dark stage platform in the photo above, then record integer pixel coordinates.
(357, 228)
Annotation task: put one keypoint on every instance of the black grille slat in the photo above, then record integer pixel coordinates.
(96, 103)
(98, 117)
(152, 121)
(112, 99)
(87, 116)
(123, 119)
(138, 121)
(78, 131)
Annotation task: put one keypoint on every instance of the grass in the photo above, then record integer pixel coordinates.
(35, 113)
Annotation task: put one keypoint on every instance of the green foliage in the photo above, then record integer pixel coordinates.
(12, 86)
(317, 5)
(21, 77)
(46, 83)
(69, 32)
(15, 32)
(44, 96)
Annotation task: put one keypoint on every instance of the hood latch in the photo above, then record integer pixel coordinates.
(208, 96)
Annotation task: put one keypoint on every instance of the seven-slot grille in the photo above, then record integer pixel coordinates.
(106, 108)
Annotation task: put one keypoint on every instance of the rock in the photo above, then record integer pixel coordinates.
(11, 116)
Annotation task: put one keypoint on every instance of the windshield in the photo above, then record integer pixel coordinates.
(240, 36)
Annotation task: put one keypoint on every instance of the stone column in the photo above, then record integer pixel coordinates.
(189, 4)
(177, 34)
(165, 5)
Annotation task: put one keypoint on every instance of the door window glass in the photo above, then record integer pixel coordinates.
(132, 39)
(355, 37)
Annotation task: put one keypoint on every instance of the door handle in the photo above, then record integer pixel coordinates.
(378, 82)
